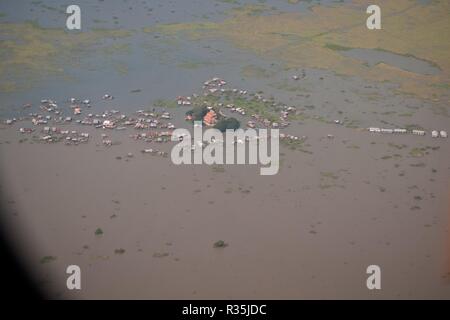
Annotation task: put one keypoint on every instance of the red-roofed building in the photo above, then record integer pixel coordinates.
(210, 118)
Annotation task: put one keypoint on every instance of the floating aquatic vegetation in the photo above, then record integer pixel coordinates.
(30, 51)
(47, 259)
(316, 39)
(220, 244)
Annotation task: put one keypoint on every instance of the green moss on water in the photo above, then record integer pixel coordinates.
(220, 244)
(336, 47)
(30, 52)
(254, 106)
(165, 103)
(441, 85)
(193, 65)
(417, 152)
(411, 127)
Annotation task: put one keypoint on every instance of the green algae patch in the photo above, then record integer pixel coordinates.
(193, 65)
(29, 51)
(336, 47)
(195, 30)
(319, 38)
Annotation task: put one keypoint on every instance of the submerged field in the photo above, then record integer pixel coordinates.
(317, 38)
(141, 227)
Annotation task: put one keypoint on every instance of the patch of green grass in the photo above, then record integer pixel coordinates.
(441, 85)
(411, 127)
(164, 103)
(336, 47)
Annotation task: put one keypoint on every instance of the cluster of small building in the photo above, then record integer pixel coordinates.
(145, 124)
(74, 138)
(155, 152)
(106, 141)
(49, 106)
(402, 131)
(284, 114)
(233, 108)
(147, 120)
(297, 77)
(26, 130)
(153, 136)
(256, 118)
(437, 134)
(214, 84)
(76, 105)
(291, 137)
(107, 120)
(39, 120)
(184, 100)
(10, 121)
(434, 133)
(54, 134)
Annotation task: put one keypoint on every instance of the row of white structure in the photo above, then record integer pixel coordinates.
(434, 133)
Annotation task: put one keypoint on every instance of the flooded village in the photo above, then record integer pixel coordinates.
(156, 125)
(86, 176)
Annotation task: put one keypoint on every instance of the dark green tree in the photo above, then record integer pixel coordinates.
(228, 123)
(198, 113)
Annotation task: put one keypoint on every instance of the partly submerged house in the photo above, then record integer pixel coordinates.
(108, 124)
(210, 118)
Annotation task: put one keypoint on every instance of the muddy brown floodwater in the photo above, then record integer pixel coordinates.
(308, 232)
(141, 227)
